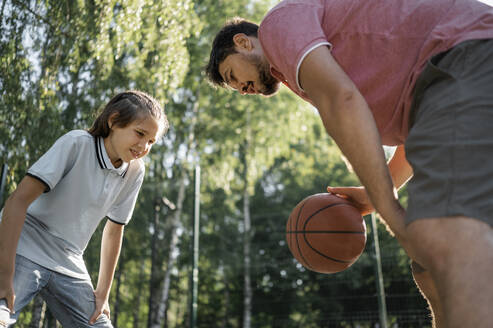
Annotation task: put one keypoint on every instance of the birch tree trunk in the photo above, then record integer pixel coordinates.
(136, 312)
(162, 306)
(247, 298)
(154, 283)
(247, 301)
(161, 312)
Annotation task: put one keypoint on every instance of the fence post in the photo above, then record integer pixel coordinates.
(382, 307)
(195, 258)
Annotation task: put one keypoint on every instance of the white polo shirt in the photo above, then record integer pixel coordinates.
(83, 187)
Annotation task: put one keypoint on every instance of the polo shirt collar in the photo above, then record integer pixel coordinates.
(104, 160)
(278, 75)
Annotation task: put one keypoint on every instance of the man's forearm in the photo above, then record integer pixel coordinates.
(363, 149)
(349, 121)
(399, 167)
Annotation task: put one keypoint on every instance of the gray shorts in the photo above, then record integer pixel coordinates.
(450, 142)
(71, 300)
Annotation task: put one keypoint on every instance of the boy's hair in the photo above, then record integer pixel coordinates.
(223, 46)
(129, 106)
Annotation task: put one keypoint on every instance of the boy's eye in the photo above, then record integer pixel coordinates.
(140, 133)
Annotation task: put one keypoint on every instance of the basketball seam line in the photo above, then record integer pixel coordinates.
(306, 240)
(297, 242)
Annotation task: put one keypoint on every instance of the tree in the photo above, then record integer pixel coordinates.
(61, 60)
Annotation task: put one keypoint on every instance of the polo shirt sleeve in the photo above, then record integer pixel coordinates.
(56, 162)
(123, 207)
(289, 33)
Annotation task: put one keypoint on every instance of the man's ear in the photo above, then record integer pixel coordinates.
(242, 41)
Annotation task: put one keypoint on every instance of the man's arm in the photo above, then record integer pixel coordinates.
(13, 217)
(349, 121)
(110, 251)
(400, 172)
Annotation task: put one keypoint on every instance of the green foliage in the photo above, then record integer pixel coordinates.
(62, 60)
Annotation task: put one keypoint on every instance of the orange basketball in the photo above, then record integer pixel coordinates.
(326, 233)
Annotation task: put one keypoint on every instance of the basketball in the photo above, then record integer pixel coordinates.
(326, 233)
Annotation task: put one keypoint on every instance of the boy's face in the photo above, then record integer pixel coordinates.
(131, 142)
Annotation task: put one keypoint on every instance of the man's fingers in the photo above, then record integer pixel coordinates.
(342, 195)
(336, 191)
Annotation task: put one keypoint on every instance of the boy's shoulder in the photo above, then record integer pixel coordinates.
(78, 134)
(82, 139)
(77, 137)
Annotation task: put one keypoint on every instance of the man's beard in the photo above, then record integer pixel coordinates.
(269, 84)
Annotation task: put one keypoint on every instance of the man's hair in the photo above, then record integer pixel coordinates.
(223, 46)
(127, 107)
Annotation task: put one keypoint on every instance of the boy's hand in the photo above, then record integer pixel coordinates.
(7, 289)
(102, 307)
(357, 195)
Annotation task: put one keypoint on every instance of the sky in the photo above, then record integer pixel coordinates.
(489, 2)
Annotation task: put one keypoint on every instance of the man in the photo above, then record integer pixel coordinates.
(413, 74)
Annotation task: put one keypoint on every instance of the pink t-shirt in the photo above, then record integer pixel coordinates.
(382, 45)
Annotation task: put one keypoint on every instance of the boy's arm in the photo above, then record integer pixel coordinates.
(349, 121)
(13, 217)
(110, 251)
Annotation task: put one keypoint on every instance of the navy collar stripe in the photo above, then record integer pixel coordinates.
(98, 141)
(98, 155)
(101, 152)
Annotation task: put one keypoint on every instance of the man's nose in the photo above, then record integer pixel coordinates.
(241, 87)
(244, 88)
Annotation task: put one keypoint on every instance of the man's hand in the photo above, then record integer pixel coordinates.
(102, 307)
(357, 195)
